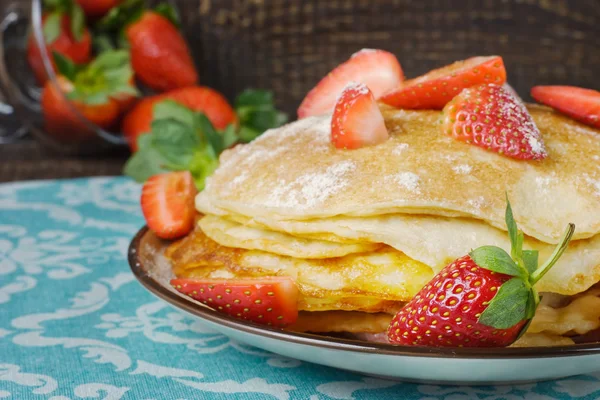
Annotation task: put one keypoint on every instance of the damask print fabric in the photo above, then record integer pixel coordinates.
(74, 324)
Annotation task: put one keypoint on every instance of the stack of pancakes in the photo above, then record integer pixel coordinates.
(361, 231)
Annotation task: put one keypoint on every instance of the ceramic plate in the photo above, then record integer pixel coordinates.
(420, 364)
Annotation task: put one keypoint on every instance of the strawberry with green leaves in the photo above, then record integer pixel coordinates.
(484, 299)
(97, 91)
(64, 31)
(491, 117)
(197, 98)
(160, 55)
(270, 301)
(181, 139)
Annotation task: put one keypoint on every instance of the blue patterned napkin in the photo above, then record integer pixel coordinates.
(74, 324)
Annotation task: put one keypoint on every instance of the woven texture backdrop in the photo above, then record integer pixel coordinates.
(288, 45)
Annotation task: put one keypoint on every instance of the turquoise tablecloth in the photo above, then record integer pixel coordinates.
(74, 324)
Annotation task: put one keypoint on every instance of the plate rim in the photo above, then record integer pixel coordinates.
(340, 344)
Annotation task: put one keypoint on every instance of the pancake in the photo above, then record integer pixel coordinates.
(362, 231)
(376, 281)
(433, 241)
(294, 173)
(229, 233)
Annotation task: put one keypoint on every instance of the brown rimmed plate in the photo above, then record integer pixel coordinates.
(422, 364)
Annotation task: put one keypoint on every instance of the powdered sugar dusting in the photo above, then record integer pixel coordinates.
(407, 180)
(596, 157)
(477, 202)
(399, 149)
(514, 112)
(312, 189)
(356, 87)
(363, 51)
(594, 182)
(464, 169)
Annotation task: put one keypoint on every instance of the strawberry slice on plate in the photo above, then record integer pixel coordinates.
(489, 116)
(269, 300)
(168, 204)
(578, 103)
(436, 88)
(378, 69)
(357, 120)
(484, 299)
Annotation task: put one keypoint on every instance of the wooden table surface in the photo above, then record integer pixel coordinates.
(27, 160)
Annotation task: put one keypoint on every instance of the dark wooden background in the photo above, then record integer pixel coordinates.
(288, 45)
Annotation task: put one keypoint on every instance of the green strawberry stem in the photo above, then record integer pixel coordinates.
(558, 251)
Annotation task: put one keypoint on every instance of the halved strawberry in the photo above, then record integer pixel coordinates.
(489, 116)
(436, 88)
(378, 69)
(578, 103)
(168, 204)
(357, 120)
(270, 300)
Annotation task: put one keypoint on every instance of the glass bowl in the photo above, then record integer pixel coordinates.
(20, 92)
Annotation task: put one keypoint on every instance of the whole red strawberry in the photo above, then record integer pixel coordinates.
(62, 35)
(491, 117)
(484, 299)
(160, 55)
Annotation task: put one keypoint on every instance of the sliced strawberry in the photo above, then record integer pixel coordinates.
(270, 301)
(489, 116)
(168, 204)
(578, 103)
(378, 69)
(357, 120)
(436, 88)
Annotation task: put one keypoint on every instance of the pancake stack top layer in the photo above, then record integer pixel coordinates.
(294, 173)
(292, 193)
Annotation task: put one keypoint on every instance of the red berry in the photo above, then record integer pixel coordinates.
(578, 103)
(270, 301)
(447, 310)
(357, 120)
(436, 88)
(168, 204)
(489, 116)
(378, 69)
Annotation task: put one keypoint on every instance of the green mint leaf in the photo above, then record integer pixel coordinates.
(102, 43)
(52, 4)
(513, 230)
(171, 109)
(65, 66)
(509, 305)
(202, 166)
(257, 113)
(254, 99)
(169, 12)
(530, 259)
(532, 303)
(111, 60)
(495, 259)
(77, 22)
(247, 134)
(207, 130)
(230, 136)
(146, 162)
(119, 17)
(175, 141)
(52, 27)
